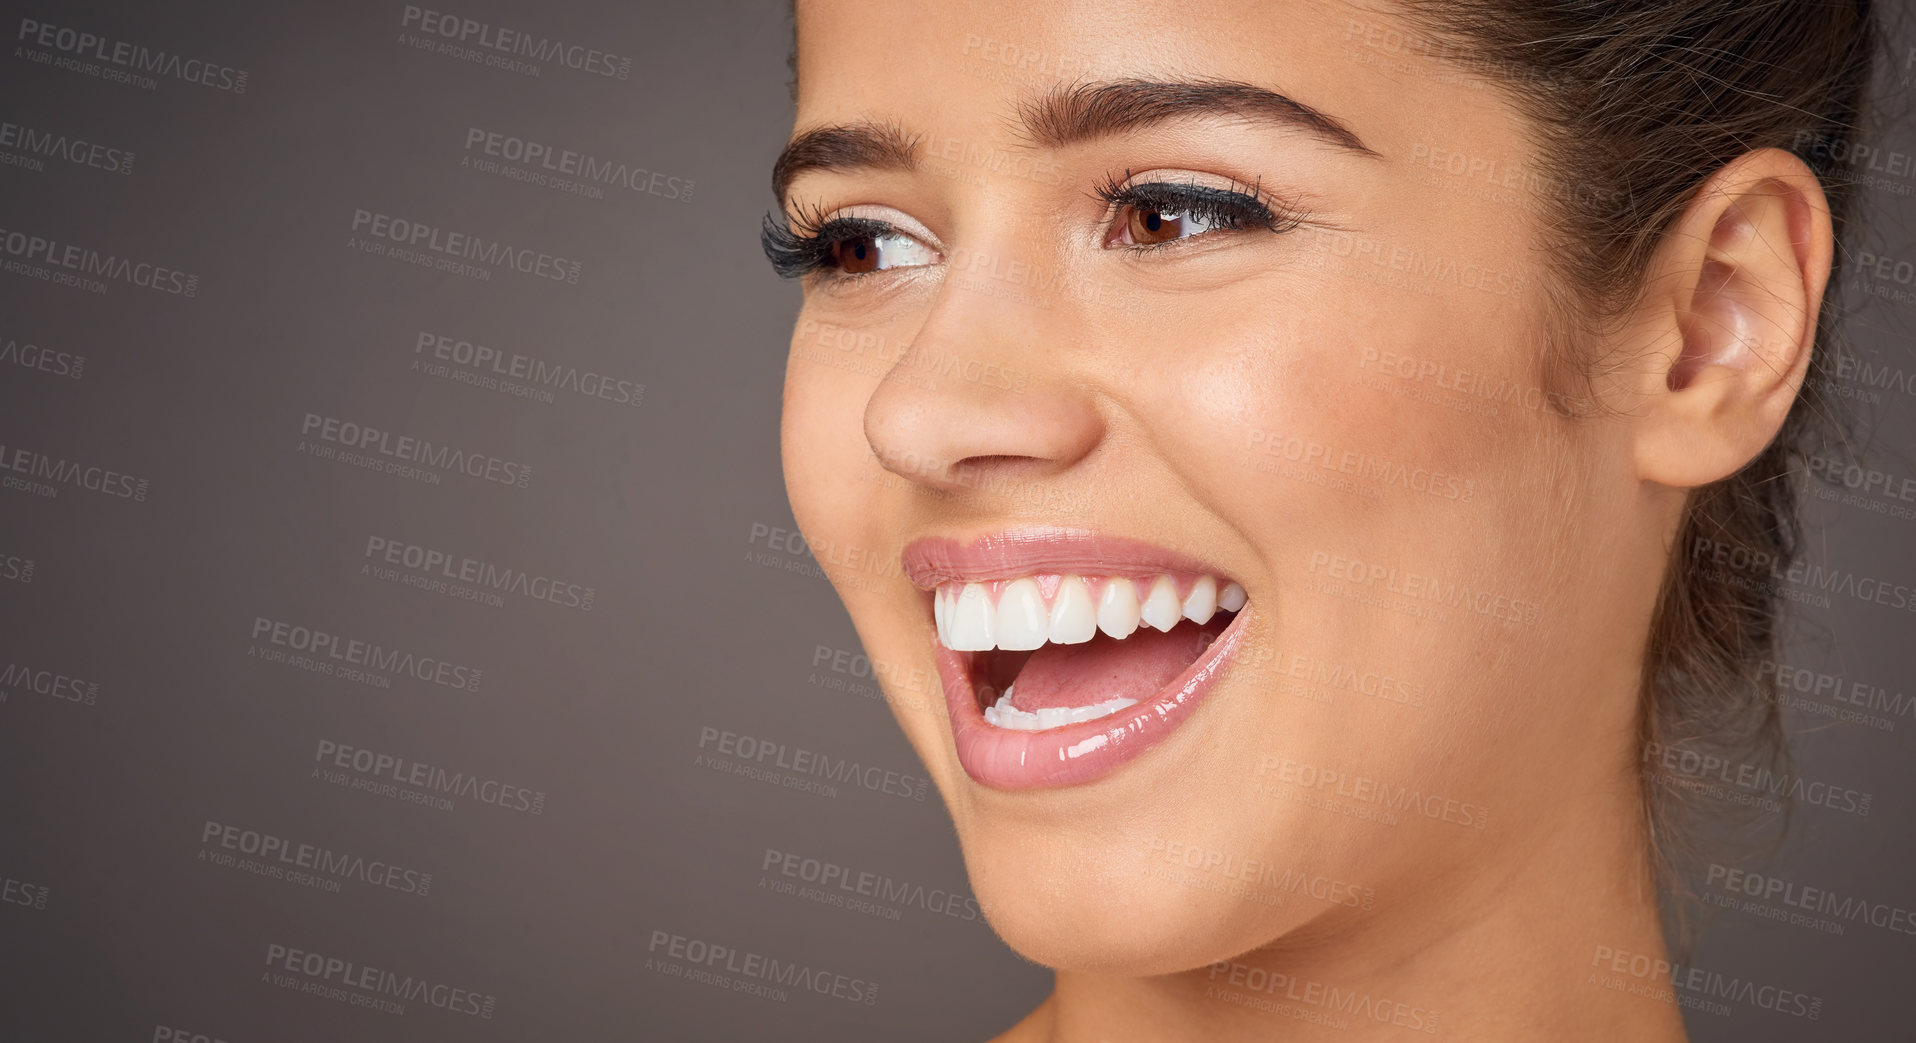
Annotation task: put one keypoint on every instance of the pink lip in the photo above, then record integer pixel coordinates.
(1024, 552)
(1076, 753)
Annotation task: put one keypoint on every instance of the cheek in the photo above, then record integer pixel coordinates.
(1353, 448)
(830, 475)
(1366, 412)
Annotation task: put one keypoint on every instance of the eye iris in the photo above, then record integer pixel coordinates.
(1155, 226)
(855, 255)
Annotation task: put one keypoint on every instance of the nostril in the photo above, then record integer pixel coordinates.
(987, 461)
(979, 471)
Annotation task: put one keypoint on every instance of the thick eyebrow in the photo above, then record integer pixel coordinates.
(1068, 115)
(843, 146)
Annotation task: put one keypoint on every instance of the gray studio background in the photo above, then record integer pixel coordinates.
(515, 798)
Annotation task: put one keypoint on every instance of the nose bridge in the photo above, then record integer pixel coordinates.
(985, 384)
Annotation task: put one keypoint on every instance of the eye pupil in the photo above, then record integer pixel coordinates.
(1153, 220)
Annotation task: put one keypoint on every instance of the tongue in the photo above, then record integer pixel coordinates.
(1102, 669)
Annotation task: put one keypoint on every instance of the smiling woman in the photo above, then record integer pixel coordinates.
(1401, 395)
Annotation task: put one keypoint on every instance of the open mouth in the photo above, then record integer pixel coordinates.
(1047, 651)
(1064, 654)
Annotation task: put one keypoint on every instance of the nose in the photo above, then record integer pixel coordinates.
(983, 389)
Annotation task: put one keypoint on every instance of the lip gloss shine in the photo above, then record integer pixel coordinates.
(1070, 754)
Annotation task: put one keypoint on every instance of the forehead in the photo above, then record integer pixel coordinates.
(967, 67)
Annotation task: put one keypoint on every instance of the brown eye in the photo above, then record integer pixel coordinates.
(861, 251)
(1145, 227)
(856, 255)
(1146, 224)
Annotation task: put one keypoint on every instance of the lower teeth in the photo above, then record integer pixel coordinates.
(1005, 715)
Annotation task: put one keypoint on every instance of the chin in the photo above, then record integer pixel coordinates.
(1123, 914)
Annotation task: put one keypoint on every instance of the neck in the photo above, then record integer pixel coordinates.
(1520, 949)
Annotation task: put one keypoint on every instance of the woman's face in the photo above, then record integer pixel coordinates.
(1256, 308)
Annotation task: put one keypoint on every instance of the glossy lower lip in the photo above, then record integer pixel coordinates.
(1074, 754)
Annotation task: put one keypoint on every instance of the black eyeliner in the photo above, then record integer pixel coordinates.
(1230, 208)
(797, 252)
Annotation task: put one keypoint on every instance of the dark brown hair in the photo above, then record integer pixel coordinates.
(1635, 104)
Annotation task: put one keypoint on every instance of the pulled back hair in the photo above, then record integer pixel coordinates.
(1635, 103)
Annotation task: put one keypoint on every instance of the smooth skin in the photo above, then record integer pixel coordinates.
(984, 396)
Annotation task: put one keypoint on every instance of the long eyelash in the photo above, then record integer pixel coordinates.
(800, 247)
(1237, 207)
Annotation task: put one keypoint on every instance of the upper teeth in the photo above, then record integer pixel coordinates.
(975, 617)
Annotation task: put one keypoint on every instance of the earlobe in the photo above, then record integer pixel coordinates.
(1737, 285)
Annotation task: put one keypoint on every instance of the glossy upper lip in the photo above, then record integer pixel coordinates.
(933, 560)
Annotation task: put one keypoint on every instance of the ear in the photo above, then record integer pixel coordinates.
(1728, 319)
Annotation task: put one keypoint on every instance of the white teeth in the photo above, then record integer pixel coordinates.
(1202, 602)
(1073, 618)
(1161, 609)
(972, 620)
(1005, 715)
(1118, 608)
(1021, 624)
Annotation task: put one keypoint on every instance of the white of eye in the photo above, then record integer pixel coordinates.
(898, 250)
